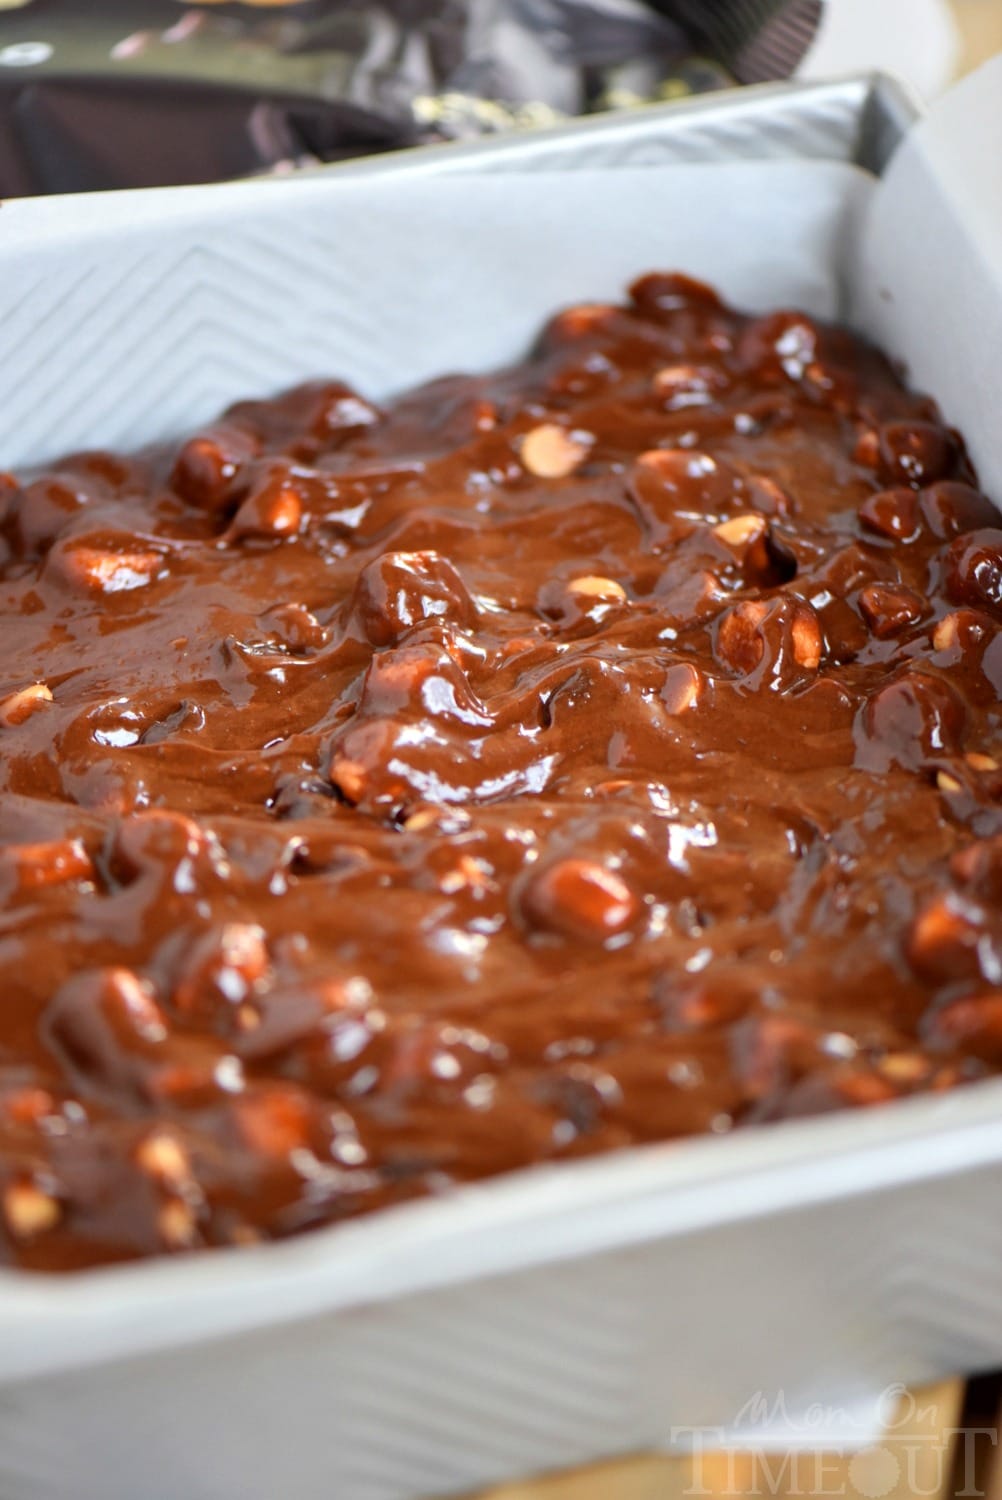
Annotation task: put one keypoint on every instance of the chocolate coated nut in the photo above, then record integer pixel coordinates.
(757, 634)
(20, 707)
(273, 513)
(972, 570)
(892, 513)
(106, 1028)
(669, 482)
(211, 470)
(570, 602)
(915, 453)
(105, 564)
(679, 386)
(580, 900)
(683, 688)
(662, 293)
(274, 1121)
(779, 347)
(949, 509)
(221, 973)
(889, 609)
(35, 516)
(973, 1024)
(914, 719)
(160, 843)
(400, 591)
(27, 868)
(551, 452)
(28, 1209)
(942, 944)
(569, 327)
(978, 868)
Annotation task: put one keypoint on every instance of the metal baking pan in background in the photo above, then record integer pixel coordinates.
(556, 1316)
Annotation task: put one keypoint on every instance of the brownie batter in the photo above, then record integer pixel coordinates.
(598, 752)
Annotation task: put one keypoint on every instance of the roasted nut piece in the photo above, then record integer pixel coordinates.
(272, 513)
(156, 842)
(577, 323)
(805, 633)
(892, 513)
(663, 293)
(162, 1156)
(580, 900)
(740, 644)
(551, 452)
(33, 867)
(974, 1024)
(104, 1024)
(912, 720)
(273, 1120)
(221, 971)
(950, 509)
(889, 609)
(978, 869)
(740, 531)
(573, 602)
(106, 563)
(400, 591)
(683, 688)
(972, 570)
(779, 347)
(915, 452)
(211, 469)
(958, 629)
(605, 590)
(688, 385)
(28, 1210)
(177, 1224)
(942, 943)
(20, 706)
(666, 483)
(755, 633)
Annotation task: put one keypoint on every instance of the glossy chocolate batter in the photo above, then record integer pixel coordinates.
(598, 752)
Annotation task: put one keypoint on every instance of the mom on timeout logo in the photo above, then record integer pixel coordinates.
(821, 1451)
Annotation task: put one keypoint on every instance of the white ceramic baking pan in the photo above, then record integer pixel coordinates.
(559, 1315)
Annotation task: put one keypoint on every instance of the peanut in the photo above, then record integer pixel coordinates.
(806, 636)
(582, 900)
(176, 1224)
(682, 689)
(20, 706)
(740, 531)
(550, 452)
(162, 1156)
(28, 1210)
(592, 586)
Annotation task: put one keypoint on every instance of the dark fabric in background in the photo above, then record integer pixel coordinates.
(98, 94)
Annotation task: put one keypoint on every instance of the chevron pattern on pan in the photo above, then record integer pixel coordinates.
(827, 131)
(942, 1285)
(121, 349)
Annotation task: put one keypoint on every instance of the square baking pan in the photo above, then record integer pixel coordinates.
(560, 1315)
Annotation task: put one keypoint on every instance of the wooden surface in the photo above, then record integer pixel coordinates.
(915, 1458)
(980, 24)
